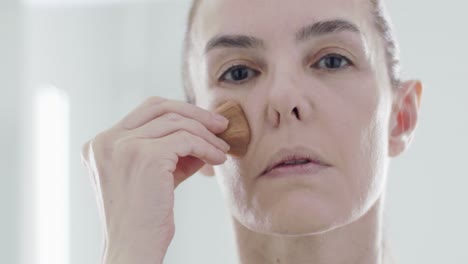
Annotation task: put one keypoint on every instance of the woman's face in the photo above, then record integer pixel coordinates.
(336, 81)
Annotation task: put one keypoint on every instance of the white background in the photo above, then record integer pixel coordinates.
(110, 56)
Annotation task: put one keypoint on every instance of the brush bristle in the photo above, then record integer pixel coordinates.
(237, 134)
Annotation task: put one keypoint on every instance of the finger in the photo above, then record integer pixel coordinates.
(157, 106)
(186, 144)
(188, 165)
(137, 115)
(172, 122)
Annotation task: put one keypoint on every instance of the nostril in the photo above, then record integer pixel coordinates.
(296, 112)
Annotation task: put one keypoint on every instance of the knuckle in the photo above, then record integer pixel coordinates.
(162, 165)
(99, 142)
(209, 136)
(172, 116)
(199, 143)
(155, 100)
(103, 145)
(200, 127)
(184, 138)
(204, 134)
(182, 134)
(195, 127)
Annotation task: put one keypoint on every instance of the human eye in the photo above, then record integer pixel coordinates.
(333, 62)
(238, 74)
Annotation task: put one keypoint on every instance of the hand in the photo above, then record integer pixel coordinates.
(136, 166)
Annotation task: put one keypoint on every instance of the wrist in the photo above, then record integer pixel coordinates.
(134, 255)
(141, 251)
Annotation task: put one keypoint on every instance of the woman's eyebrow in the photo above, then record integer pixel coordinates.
(316, 29)
(234, 41)
(321, 28)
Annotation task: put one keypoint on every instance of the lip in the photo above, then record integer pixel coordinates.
(310, 168)
(316, 163)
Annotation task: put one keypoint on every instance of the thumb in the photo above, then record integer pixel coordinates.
(186, 167)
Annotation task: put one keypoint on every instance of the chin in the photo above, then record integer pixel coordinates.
(299, 213)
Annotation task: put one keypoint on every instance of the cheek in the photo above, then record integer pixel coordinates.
(371, 168)
(362, 143)
(233, 188)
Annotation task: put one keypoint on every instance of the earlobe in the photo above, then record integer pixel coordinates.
(404, 116)
(207, 170)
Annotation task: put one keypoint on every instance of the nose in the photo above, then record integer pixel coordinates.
(287, 101)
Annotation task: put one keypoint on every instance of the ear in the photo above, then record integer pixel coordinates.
(207, 170)
(404, 116)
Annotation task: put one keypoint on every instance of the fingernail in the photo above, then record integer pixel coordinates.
(221, 154)
(226, 146)
(221, 119)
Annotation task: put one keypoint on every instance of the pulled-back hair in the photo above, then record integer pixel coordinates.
(382, 23)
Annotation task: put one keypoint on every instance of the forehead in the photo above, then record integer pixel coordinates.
(271, 19)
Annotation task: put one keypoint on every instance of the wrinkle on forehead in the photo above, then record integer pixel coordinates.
(274, 22)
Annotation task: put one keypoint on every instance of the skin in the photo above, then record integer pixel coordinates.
(352, 117)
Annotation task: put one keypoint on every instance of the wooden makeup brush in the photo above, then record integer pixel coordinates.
(237, 134)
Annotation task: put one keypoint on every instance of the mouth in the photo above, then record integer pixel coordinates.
(296, 160)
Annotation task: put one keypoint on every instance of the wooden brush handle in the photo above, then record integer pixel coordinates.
(237, 134)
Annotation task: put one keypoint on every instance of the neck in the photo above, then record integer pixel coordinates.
(359, 242)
